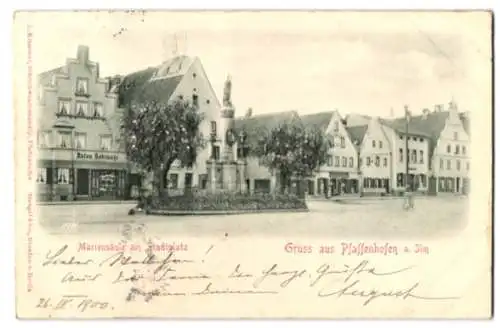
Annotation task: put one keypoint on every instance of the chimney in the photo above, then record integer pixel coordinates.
(438, 108)
(425, 113)
(249, 112)
(83, 54)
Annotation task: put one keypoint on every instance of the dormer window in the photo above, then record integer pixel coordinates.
(64, 107)
(82, 87)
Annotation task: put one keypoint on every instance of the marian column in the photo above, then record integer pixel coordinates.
(229, 167)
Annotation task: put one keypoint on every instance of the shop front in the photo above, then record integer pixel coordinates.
(82, 175)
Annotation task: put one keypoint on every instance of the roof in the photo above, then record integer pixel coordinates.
(156, 83)
(399, 125)
(318, 121)
(464, 117)
(45, 78)
(259, 125)
(357, 133)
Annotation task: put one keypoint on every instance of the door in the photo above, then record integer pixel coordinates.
(82, 182)
(188, 180)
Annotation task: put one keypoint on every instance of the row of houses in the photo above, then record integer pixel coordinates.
(81, 156)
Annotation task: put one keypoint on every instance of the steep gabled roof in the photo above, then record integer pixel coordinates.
(431, 124)
(357, 134)
(153, 83)
(258, 126)
(318, 121)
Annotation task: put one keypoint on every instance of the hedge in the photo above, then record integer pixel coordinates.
(228, 201)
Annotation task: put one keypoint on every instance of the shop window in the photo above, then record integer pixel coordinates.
(62, 176)
(81, 109)
(377, 161)
(421, 157)
(64, 107)
(41, 176)
(351, 162)
(337, 161)
(105, 143)
(64, 139)
(98, 110)
(80, 140)
(344, 161)
(82, 87)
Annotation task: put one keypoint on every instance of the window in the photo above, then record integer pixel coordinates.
(64, 107)
(448, 149)
(377, 161)
(401, 155)
(64, 139)
(380, 144)
(421, 157)
(62, 176)
(337, 161)
(80, 140)
(441, 164)
(330, 160)
(401, 136)
(414, 138)
(213, 128)
(457, 149)
(344, 161)
(360, 162)
(414, 156)
(336, 126)
(455, 135)
(41, 176)
(385, 161)
(81, 109)
(98, 112)
(342, 142)
(448, 164)
(195, 100)
(215, 152)
(44, 139)
(464, 150)
(82, 87)
(173, 181)
(374, 143)
(105, 143)
(421, 139)
(467, 166)
(368, 161)
(351, 162)
(458, 165)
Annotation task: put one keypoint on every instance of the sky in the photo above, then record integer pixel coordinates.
(364, 63)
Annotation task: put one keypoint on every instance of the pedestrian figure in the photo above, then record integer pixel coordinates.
(409, 201)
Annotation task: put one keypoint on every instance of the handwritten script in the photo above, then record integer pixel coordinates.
(144, 277)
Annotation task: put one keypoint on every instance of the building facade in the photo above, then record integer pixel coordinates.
(79, 149)
(180, 78)
(339, 176)
(375, 158)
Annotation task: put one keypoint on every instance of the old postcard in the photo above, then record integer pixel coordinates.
(253, 164)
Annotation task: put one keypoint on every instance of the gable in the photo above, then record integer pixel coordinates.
(375, 132)
(337, 129)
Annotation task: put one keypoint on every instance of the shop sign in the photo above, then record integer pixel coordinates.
(96, 156)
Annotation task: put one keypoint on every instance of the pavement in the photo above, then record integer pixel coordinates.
(387, 219)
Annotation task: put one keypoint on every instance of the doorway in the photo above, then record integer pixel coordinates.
(82, 182)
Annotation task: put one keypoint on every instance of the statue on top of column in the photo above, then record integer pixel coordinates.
(226, 101)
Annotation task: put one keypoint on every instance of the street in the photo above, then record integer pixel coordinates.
(386, 219)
